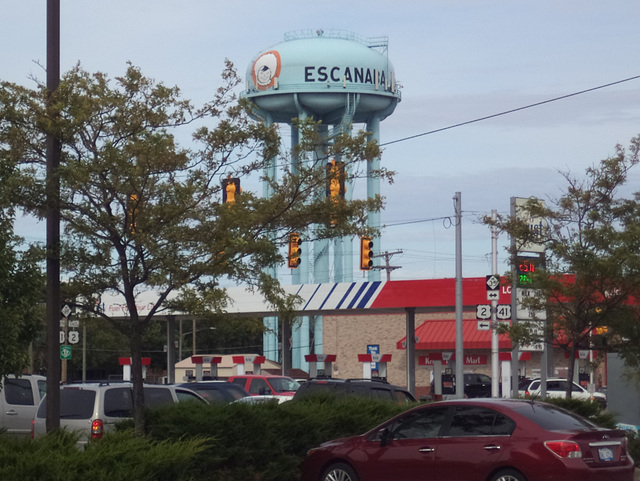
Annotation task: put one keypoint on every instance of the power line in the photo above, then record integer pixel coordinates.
(562, 97)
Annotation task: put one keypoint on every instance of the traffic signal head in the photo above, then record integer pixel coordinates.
(336, 187)
(230, 188)
(133, 212)
(293, 258)
(366, 253)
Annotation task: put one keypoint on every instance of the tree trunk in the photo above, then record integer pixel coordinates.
(138, 381)
(573, 348)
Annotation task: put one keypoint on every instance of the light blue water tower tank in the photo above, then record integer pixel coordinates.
(337, 77)
(342, 79)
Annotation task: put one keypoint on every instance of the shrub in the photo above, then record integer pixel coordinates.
(267, 441)
(120, 456)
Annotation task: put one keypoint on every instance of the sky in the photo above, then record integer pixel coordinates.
(457, 61)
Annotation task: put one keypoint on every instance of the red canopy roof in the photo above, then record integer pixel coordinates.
(440, 335)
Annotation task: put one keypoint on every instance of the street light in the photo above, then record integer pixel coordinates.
(193, 332)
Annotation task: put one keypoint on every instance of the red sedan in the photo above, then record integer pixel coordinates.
(476, 440)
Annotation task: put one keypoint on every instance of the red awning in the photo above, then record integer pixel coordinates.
(440, 335)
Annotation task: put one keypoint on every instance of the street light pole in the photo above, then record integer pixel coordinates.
(53, 223)
(193, 337)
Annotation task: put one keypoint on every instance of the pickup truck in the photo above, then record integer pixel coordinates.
(19, 399)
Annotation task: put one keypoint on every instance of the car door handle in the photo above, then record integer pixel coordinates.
(11, 413)
(426, 449)
(492, 447)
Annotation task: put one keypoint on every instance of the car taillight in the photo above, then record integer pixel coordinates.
(564, 449)
(527, 393)
(97, 429)
(33, 428)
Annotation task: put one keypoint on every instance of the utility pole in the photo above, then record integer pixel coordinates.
(459, 338)
(387, 257)
(53, 223)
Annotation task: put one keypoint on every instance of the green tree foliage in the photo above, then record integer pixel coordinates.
(267, 441)
(590, 283)
(21, 301)
(142, 213)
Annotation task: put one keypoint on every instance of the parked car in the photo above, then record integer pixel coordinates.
(19, 400)
(259, 384)
(475, 385)
(557, 387)
(217, 391)
(94, 408)
(373, 388)
(479, 439)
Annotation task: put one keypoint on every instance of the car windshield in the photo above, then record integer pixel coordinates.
(283, 384)
(552, 418)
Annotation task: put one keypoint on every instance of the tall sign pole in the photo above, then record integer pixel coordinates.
(53, 223)
(495, 347)
(515, 353)
(459, 339)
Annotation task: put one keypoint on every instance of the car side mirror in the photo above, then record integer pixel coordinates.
(384, 435)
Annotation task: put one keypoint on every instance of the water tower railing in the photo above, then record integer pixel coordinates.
(319, 87)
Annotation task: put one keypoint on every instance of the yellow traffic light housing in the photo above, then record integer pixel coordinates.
(336, 186)
(293, 258)
(230, 188)
(366, 253)
(132, 212)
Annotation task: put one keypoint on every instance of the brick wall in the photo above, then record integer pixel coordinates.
(348, 336)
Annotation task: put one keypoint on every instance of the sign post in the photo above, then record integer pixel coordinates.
(65, 348)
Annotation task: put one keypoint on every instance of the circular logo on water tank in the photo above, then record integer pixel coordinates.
(266, 69)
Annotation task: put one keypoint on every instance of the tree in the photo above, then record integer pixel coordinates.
(592, 259)
(21, 284)
(140, 212)
(21, 301)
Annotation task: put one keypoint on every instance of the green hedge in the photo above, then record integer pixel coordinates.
(267, 441)
(234, 442)
(121, 456)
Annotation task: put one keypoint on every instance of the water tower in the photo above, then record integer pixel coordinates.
(342, 79)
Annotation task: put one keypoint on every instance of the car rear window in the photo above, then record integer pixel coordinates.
(404, 397)
(384, 394)
(75, 403)
(552, 418)
(118, 403)
(312, 388)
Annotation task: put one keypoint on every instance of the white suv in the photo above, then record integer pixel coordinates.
(93, 408)
(557, 387)
(19, 400)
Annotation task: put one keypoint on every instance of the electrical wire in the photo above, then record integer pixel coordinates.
(506, 112)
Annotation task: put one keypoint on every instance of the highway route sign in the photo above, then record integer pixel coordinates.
(503, 311)
(65, 352)
(493, 282)
(483, 311)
